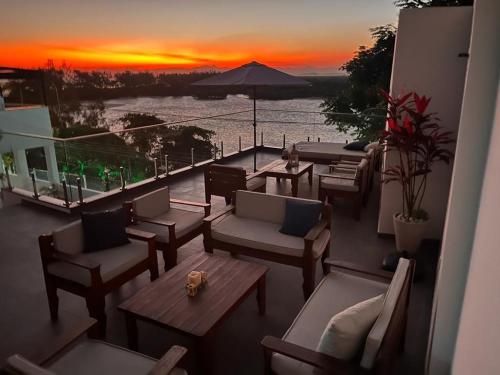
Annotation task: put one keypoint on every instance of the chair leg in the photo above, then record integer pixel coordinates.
(97, 310)
(53, 300)
(228, 200)
(153, 270)
(308, 273)
(326, 254)
(170, 258)
(208, 197)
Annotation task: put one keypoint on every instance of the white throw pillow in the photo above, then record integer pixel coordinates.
(345, 334)
(373, 145)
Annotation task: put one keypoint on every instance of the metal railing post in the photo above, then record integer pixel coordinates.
(262, 138)
(307, 139)
(319, 139)
(33, 181)
(284, 141)
(155, 163)
(65, 191)
(192, 156)
(239, 143)
(221, 149)
(106, 180)
(122, 178)
(80, 192)
(215, 151)
(166, 165)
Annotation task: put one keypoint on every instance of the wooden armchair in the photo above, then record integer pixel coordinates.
(93, 275)
(223, 181)
(173, 227)
(251, 227)
(75, 354)
(344, 286)
(345, 181)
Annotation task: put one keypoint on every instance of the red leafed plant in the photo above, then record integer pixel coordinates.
(419, 141)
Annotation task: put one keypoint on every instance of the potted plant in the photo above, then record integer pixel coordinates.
(419, 141)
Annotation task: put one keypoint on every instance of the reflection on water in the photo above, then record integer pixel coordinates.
(272, 119)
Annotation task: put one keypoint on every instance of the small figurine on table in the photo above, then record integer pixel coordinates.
(195, 280)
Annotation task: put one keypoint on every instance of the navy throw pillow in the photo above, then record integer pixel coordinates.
(356, 146)
(104, 230)
(300, 217)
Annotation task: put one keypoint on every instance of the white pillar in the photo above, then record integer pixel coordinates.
(21, 163)
(51, 160)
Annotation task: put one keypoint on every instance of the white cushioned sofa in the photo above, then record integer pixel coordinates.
(296, 353)
(252, 227)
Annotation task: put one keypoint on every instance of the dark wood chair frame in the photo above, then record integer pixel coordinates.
(234, 179)
(50, 352)
(95, 293)
(169, 249)
(307, 262)
(357, 197)
(392, 343)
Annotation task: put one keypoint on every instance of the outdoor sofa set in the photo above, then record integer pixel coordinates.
(255, 224)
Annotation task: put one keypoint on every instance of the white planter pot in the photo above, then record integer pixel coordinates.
(408, 234)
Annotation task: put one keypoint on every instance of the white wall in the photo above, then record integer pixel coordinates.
(426, 61)
(32, 120)
(479, 341)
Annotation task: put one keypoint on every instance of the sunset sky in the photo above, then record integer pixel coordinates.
(302, 37)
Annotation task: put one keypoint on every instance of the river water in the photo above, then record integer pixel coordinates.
(297, 118)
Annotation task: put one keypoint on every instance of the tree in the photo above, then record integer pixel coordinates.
(431, 3)
(358, 109)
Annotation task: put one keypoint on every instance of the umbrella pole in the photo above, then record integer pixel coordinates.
(254, 130)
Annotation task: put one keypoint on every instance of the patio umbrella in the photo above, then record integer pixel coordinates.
(252, 75)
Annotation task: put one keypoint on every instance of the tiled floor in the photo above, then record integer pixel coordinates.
(24, 317)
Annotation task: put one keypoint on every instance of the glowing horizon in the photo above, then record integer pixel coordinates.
(304, 41)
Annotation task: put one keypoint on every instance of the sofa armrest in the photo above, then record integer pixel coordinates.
(138, 234)
(205, 206)
(356, 268)
(322, 361)
(165, 223)
(341, 176)
(169, 360)
(218, 214)
(315, 231)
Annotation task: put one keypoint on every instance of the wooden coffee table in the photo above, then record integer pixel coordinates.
(279, 171)
(165, 303)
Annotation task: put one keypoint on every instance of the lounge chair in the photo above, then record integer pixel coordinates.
(174, 227)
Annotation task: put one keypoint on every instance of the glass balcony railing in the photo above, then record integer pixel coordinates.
(71, 171)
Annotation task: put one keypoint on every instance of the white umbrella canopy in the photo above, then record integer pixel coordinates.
(253, 75)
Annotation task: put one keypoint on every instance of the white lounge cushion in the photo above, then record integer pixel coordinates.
(69, 238)
(257, 234)
(335, 293)
(99, 358)
(327, 151)
(377, 333)
(113, 262)
(152, 204)
(185, 222)
(260, 206)
(345, 334)
(343, 184)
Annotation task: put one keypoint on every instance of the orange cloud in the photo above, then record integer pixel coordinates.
(152, 55)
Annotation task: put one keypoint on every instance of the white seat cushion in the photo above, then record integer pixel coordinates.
(152, 204)
(69, 238)
(345, 334)
(336, 292)
(257, 234)
(343, 184)
(113, 262)
(99, 358)
(185, 222)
